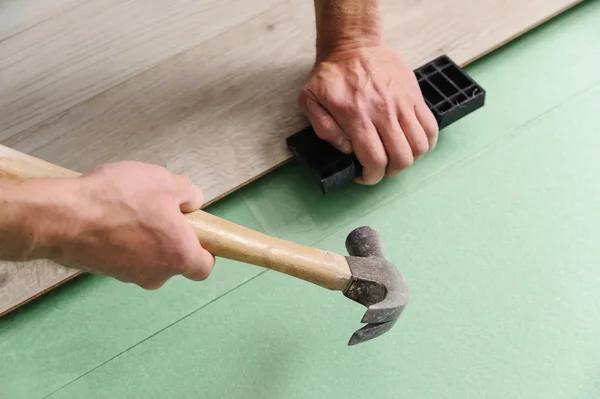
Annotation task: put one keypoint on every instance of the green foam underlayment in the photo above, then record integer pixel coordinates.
(497, 232)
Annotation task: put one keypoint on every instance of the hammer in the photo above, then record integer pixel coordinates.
(365, 276)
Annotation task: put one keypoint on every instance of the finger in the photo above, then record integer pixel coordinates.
(415, 135)
(396, 145)
(152, 284)
(190, 196)
(202, 265)
(428, 123)
(198, 261)
(324, 124)
(369, 150)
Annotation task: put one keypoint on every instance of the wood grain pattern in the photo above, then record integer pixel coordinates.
(15, 164)
(19, 15)
(221, 237)
(206, 88)
(232, 241)
(219, 112)
(21, 282)
(87, 49)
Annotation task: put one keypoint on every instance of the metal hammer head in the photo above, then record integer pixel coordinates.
(375, 283)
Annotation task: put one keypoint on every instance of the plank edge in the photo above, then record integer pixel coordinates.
(212, 201)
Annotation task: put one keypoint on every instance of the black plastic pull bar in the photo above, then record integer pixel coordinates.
(450, 94)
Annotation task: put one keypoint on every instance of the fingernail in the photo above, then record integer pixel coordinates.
(367, 173)
(361, 179)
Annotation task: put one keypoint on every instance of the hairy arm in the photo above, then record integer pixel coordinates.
(124, 220)
(361, 96)
(33, 216)
(346, 25)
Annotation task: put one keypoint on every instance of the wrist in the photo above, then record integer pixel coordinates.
(346, 45)
(347, 25)
(39, 216)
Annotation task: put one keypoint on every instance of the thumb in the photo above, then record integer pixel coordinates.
(325, 125)
(190, 196)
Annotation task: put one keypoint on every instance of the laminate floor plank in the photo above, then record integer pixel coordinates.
(499, 249)
(85, 50)
(19, 15)
(220, 111)
(217, 107)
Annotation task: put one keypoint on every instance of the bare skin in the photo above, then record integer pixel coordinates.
(124, 220)
(361, 96)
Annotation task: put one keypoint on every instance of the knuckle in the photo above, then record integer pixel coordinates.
(323, 124)
(430, 124)
(304, 96)
(204, 272)
(402, 161)
(346, 106)
(434, 129)
(419, 151)
(327, 124)
(320, 87)
(405, 114)
(180, 258)
(184, 180)
(420, 147)
(384, 106)
(159, 173)
(353, 108)
(412, 97)
(102, 168)
(151, 285)
(375, 160)
(325, 134)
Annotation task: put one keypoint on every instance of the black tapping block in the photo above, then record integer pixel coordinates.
(450, 94)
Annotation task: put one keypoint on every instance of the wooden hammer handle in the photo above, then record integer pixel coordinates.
(217, 235)
(230, 240)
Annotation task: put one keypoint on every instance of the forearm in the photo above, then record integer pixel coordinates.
(361, 96)
(31, 213)
(346, 24)
(123, 219)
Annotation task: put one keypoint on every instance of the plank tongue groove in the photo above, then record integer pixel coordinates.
(206, 88)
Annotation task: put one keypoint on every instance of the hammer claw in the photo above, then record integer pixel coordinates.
(375, 283)
(370, 331)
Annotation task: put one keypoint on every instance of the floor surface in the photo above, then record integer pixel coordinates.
(496, 231)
